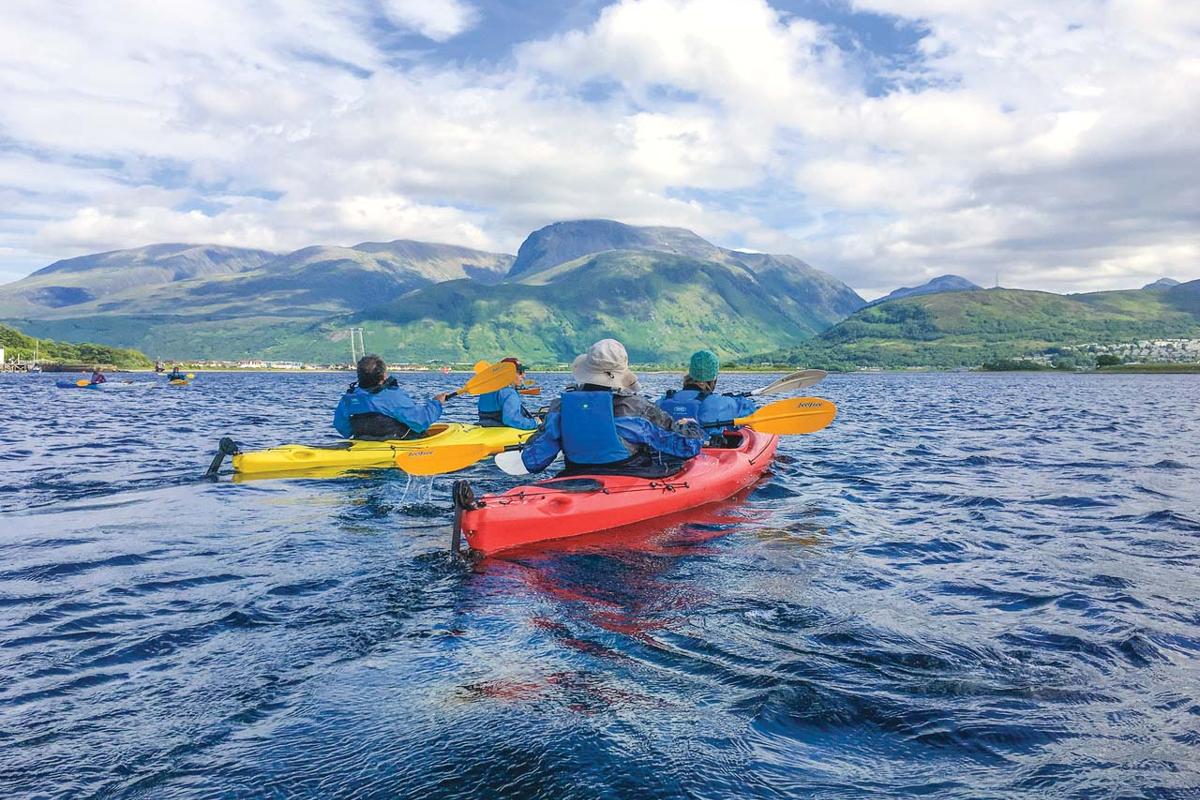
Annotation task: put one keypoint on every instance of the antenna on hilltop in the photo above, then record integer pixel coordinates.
(997, 280)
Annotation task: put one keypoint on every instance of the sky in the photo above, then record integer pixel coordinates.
(1049, 145)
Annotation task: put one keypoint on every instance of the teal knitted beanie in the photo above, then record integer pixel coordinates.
(704, 365)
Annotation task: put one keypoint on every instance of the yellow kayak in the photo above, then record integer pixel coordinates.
(358, 454)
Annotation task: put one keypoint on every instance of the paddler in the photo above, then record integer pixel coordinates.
(98, 376)
(698, 399)
(376, 408)
(604, 427)
(175, 374)
(504, 409)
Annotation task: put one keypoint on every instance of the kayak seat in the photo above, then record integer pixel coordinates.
(727, 440)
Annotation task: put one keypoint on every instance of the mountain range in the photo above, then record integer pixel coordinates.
(663, 291)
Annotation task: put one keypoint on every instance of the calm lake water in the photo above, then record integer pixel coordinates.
(969, 586)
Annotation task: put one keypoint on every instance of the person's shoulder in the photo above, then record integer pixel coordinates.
(635, 402)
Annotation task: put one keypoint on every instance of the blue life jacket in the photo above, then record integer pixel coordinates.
(589, 430)
(683, 403)
(489, 408)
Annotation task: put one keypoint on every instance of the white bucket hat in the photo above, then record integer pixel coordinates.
(605, 364)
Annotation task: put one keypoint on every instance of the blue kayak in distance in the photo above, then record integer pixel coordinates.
(106, 386)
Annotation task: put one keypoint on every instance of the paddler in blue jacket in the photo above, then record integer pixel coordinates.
(377, 408)
(604, 427)
(504, 409)
(697, 399)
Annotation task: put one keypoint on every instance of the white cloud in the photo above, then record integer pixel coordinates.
(1053, 143)
(438, 20)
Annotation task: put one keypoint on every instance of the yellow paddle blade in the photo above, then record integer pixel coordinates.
(447, 458)
(491, 379)
(190, 376)
(83, 383)
(479, 365)
(795, 415)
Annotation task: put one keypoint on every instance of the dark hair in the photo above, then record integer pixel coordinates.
(371, 370)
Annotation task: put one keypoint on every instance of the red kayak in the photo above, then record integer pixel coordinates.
(572, 506)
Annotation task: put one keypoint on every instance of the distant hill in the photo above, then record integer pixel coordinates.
(201, 301)
(969, 328)
(943, 283)
(662, 290)
(18, 346)
(206, 281)
(1162, 283)
(77, 285)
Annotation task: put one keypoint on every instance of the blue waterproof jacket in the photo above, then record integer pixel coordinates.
(705, 408)
(600, 431)
(365, 413)
(505, 409)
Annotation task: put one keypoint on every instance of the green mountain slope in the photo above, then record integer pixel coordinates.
(141, 298)
(309, 283)
(810, 295)
(661, 306)
(18, 346)
(969, 328)
(77, 286)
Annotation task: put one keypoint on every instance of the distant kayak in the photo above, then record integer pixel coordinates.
(572, 506)
(107, 386)
(178, 382)
(359, 454)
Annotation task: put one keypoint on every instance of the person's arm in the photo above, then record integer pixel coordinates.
(399, 406)
(724, 407)
(341, 418)
(685, 442)
(745, 406)
(544, 446)
(513, 413)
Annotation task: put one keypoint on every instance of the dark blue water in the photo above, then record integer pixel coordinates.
(968, 586)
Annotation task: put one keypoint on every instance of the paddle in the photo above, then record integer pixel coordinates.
(797, 380)
(83, 383)
(794, 416)
(447, 458)
(489, 379)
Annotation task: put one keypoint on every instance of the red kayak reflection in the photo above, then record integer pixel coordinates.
(635, 597)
